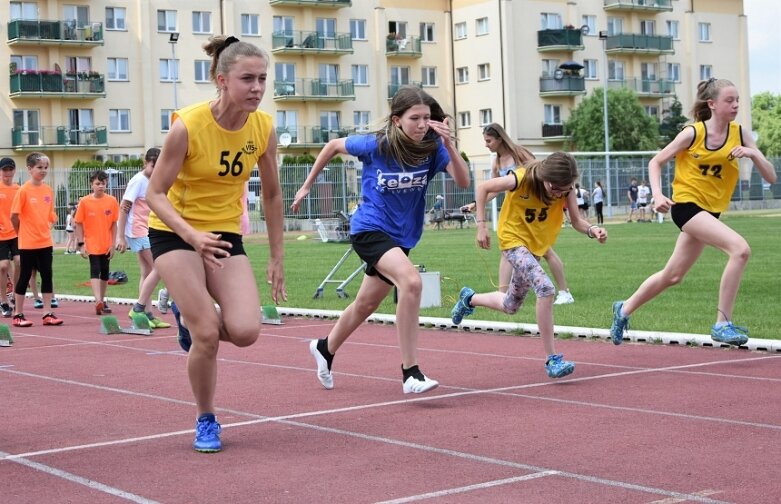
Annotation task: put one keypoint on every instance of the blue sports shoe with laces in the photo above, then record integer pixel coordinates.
(462, 308)
(620, 324)
(185, 341)
(557, 367)
(207, 434)
(729, 334)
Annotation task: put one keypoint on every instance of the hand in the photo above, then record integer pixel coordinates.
(83, 253)
(741, 152)
(662, 203)
(600, 234)
(121, 245)
(210, 247)
(275, 276)
(483, 238)
(299, 197)
(441, 128)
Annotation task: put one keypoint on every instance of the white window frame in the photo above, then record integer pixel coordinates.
(283, 24)
(25, 62)
(361, 120)
(549, 67)
(706, 72)
(616, 71)
(360, 75)
(166, 74)
(427, 32)
(673, 29)
(462, 75)
(166, 21)
(652, 111)
(358, 29)
(202, 22)
(428, 76)
(483, 72)
(326, 27)
(704, 30)
(23, 10)
(647, 27)
(399, 28)
(115, 69)
(674, 72)
(486, 117)
(465, 119)
(552, 113)
(459, 31)
(165, 119)
(615, 26)
(250, 25)
(648, 71)
(119, 20)
(590, 20)
(550, 21)
(204, 66)
(481, 26)
(591, 69)
(119, 120)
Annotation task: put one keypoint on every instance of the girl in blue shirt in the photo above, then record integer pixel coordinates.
(399, 161)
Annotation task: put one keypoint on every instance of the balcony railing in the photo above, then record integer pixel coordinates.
(302, 137)
(409, 47)
(39, 32)
(393, 88)
(314, 90)
(639, 5)
(60, 138)
(637, 43)
(565, 39)
(57, 85)
(310, 42)
(645, 88)
(323, 4)
(567, 85)
(553, 131)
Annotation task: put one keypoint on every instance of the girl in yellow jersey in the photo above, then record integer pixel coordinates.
(195, 195)
(706, 171)
(529, 224)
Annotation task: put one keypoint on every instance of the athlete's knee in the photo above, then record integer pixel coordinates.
(245, 335)
(741, 252)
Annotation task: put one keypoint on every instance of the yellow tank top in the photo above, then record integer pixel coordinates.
(208, 189)
(704, 176)
(525, 221)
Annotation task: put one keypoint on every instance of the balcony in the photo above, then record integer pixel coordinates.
(322, 4)
(307, 137)
(393, 88)
(59, 138)
(639, 5)
(553, 133)
(567, 85)
(658, 88)
(565, 39)
(314, 90)
(632, 43)
(50, 84)
(54, 33)
(311, 42)
(409, 47)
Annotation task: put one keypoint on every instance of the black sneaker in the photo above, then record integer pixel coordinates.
(6, 309)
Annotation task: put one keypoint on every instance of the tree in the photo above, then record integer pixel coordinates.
(766, 122)
(631, 129)
(673, 122)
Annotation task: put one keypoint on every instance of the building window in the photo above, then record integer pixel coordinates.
(165, 119)
(552, 114)
(672, 29)
(202, 22)
(326, 27)
(615, 70)
(549, 67)
(202, 70)
(483, 71)
(462, 75)
(674, 72)
(119, 120)
(590, 69)
(464, 119)
(460, 31)
(361, 120)
(115, 18)
(358, 29)
(648, 71)
(250, 25)
(283, 24)
(704, 29)
(481, 26)
(427, 32)
(429, 76)
(361, 75)
(615, 26)
(706, 72)
(590, 21)
(550, 21)
(652, 111)
(647, 27)
(486, 117)
(169, 70)
(23, 10)
(166, 21)
(117, 69)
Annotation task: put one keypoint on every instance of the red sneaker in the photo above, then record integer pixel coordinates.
(51, 319)
(99, 308)
(20, 321)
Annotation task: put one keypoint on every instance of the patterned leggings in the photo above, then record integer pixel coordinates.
(527, 274)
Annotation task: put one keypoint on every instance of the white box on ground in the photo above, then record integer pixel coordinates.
(432, 290)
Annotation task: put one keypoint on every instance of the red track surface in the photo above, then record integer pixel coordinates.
(91, 418)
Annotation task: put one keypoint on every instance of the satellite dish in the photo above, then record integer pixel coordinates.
(558, 74)
(285, 139)
(584, 29)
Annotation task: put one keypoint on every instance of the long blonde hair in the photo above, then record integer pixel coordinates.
(559, 169)
(707, 90)
(520, 154)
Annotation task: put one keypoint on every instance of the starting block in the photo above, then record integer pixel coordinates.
(270, 315)
(110, 325)
(6, 339)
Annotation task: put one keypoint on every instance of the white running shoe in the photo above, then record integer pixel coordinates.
(564, 297)
(323, 373)
(162, 300)
(415, 386)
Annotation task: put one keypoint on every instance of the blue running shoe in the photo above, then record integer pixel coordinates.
(620, 324)
(462, 308)
(557, 367)
(38, 303)
(207, 434)
(185, 341)
(729, 334)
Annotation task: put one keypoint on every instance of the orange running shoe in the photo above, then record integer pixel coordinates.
(51, 319)
(20, 321)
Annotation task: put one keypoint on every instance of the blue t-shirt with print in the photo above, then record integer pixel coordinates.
(394, 199)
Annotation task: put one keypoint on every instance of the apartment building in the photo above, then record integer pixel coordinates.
(100, 79)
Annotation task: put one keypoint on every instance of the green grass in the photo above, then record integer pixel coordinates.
(597, 275)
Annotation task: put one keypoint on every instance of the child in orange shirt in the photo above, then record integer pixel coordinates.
(9, 243)
(96, 227)
(32, 215)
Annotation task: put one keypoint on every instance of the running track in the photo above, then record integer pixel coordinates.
(90, 418)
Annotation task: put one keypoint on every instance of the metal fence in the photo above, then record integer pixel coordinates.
(338, 188)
